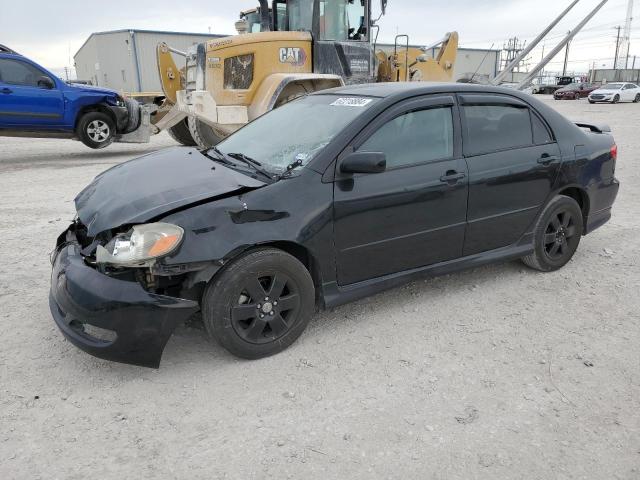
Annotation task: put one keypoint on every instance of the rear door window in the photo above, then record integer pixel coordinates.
(492, 128)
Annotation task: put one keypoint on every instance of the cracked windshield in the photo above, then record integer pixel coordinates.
(292, 135)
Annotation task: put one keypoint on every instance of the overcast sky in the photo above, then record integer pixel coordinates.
(51, 34)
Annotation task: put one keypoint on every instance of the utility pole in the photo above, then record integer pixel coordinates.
(566, 57)
(625, 40)
(615, 62)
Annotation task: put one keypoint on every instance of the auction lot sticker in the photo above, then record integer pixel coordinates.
(352, 102)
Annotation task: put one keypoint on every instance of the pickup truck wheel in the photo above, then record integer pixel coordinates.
(557, 235)
(260, 304)
(96, 130)
(203, 134)
(181, 134)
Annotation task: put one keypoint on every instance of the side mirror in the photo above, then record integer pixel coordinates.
(364, 162)
(46, 82)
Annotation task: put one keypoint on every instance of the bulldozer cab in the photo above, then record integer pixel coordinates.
(341, 30)
(252, 19)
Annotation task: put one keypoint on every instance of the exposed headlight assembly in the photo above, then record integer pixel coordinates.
(141, 246)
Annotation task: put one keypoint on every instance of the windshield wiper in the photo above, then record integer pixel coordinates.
(256, 165)
(220, 157)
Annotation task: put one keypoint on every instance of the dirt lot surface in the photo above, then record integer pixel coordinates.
(499, 372)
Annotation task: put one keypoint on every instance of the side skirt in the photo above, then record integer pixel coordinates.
(335, 295)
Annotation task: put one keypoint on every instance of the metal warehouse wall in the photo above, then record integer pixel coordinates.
(610, 75)
(483, 63)
(126, 60)
(468, 62)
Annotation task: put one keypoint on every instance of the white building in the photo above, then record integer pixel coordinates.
(125, 60)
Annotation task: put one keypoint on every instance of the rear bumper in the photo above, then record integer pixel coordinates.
(605, 195)
(135, 325)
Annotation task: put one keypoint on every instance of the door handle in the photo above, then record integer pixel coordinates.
(452, 177)
(546, 159)
(6, 91)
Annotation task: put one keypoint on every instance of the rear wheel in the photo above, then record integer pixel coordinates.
(203, 134)
(180, 133)
(557, 235)
(96, 130)
(576, 96)
(260, 304)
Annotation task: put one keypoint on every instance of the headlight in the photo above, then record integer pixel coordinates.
(117, 101)
(141, 245)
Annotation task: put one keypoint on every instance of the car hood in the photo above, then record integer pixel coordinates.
(154, 185)
(92, 89)
(605, 91)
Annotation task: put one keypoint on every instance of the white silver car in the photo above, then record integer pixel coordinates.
(616, 92)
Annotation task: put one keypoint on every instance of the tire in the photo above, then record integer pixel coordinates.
(133, 108)
(203, 134)
(637, 99)
(576, 96)
(181, 134)
(616, 99)
(243, 314)
(557, 235)
(96, 130)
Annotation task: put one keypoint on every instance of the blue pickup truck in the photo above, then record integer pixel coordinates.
(36, 103)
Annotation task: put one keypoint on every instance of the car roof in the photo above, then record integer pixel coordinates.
(5, 49)
(400, 90)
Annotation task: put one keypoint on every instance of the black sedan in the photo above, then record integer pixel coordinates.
(328, 199)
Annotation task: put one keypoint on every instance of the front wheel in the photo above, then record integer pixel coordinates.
(637, 99)
(557, 235)
(616, 99)
(260, 304)
(96, 130)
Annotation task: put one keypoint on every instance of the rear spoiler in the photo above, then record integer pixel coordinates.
(601, 128)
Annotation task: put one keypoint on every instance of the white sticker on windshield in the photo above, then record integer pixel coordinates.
(351, 102)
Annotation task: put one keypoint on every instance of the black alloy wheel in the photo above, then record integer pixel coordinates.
(616, 99)
(259, 304)
(266, 308)
(557, 235)
(560, 234)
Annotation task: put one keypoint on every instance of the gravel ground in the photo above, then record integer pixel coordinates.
(498, 372)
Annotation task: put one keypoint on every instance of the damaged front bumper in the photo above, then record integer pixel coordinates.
(133, 325)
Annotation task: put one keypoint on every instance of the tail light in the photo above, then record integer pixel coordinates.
(614, 152)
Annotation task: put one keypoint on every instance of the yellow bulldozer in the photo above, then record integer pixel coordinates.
(283, 51)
